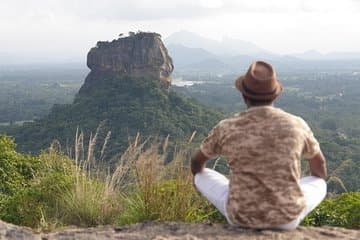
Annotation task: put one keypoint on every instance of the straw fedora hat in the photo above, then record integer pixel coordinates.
(259, 82)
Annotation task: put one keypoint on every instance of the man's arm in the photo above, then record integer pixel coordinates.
(198, 162)
(317, 165)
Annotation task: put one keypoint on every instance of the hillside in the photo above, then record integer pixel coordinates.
(128, 90)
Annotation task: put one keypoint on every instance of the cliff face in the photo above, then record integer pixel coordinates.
(139, 55)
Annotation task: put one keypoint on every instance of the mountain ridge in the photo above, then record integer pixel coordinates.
(232, 47)
(237, 54)
(227, 46)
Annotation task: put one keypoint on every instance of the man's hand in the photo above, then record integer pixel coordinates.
(198, 162)
(318, 165)
(194, 185)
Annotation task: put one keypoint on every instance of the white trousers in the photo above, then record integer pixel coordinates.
(215, 187)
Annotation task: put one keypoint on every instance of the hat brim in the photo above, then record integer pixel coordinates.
(240, 86)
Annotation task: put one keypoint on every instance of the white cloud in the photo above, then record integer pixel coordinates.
(212, 3)
(160, 9)
(71, 27)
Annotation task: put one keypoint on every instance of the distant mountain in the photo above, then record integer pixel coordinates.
(332, 56)
(185, 56)
(227, 46)
(192, 52)
(197, 60)
(210, 65)
(308, 55)
(344, 55)
(195, 54)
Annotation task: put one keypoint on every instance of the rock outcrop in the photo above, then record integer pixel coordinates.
(138, 55)
(177, 231)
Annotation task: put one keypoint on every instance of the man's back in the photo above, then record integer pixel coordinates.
(263, 147)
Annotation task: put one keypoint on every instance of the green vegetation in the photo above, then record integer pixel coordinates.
(27, 94)
(16, 169)
(164, 192)
(59, 191)
(341, 211)
(63, 191)
(38, 202)
(125, 106)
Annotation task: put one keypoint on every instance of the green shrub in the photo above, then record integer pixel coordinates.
(37, 203)
(52, 189)
(341, 211)
(25, 207)
(16, 170)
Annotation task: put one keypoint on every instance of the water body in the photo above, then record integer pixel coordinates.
(184, 83)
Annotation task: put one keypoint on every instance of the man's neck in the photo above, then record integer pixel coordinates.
(260, 105)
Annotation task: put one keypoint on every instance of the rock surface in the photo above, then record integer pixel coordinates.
(177, 231)
(138, 55)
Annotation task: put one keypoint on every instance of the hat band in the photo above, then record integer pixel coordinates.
(257, 93)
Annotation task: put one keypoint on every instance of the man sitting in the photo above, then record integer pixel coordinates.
(263, 147)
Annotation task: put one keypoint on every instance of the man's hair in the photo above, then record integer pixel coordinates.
(257, 102)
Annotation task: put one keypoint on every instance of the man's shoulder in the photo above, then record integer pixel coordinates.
(268, 112)
(284, 116)
(231, 119)
(296, 118)
(295, 121)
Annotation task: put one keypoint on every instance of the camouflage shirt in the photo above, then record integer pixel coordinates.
(263, 147)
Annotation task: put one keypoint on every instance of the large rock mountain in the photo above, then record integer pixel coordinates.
(127, 89)
(142, 54)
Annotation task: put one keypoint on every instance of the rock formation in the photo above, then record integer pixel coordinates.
(177, 231)
(138, 55)
(127, 89)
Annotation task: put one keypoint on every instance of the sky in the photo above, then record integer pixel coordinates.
(65, 30)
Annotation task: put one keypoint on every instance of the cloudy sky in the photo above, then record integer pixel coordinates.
(67, 29)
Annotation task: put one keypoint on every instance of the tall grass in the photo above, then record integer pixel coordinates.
(150, 181)
(334, 175)
(164, 192)
(141, 187)
(93, 199)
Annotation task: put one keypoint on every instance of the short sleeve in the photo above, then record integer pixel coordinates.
(210, 146)
(311, 145)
